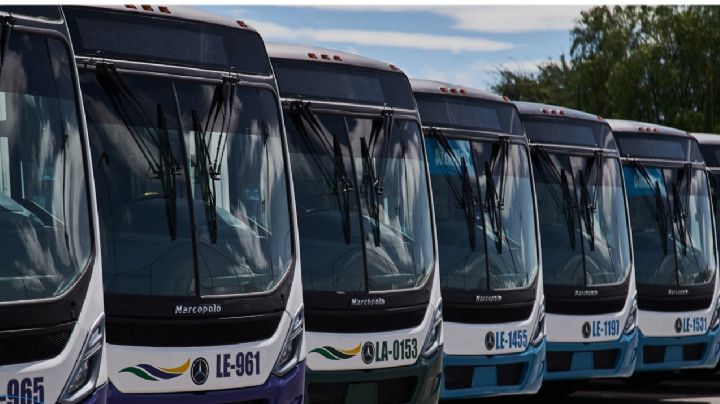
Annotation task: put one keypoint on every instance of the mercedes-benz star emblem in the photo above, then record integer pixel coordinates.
(586, 330)
(199, 371)
(678, 325)
(368, 353)
(490, 340)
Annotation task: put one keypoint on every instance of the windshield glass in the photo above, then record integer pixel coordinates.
(583, 222)
(362, 201)
(478, 252)
(714, 176)
(671, 223)
(44, 216)
(221, 180)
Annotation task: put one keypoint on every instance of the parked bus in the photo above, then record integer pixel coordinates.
(710, 149)
(589, 281)
(490, 277)
(367, 239)
(675, 246)
(51, 304)
(201, 272)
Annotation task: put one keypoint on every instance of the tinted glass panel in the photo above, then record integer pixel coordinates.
(671, 218)
(568, 132)
(332, 82)
(46, 12)
(472, 256)
(653, 146)
(362, 202)
(117, 35)
(581, 200)
(44, 217)
(711, 154)
(468, 113)
(237, 186)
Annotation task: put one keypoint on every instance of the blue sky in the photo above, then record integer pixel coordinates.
(461, 44)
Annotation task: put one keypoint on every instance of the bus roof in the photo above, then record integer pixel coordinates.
(621, 125)
(707, 138)
(308, 53)
(539, 109)
(449, 89)
(173, 12)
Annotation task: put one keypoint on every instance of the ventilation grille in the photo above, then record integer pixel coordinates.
(33, 345)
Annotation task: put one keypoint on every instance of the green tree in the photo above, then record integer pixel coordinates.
(659, 64)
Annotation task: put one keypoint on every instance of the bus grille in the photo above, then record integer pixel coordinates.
(191, 332)
(363, 321)
(33, 345)
(388, 391)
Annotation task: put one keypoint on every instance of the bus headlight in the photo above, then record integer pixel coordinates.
(716, 315)
(434, 336)
(539, 331)
(83, 378)
(292, 346)
(631, 321)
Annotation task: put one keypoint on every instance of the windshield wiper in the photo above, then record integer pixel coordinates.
(6, 27)
(163, 167)
(658, 212)
(589, 204)
(373, 181)
(465, 200)
(168, 171)
(210, 167)
(496, 197)
(205, 178)
(680, 209)
(567, 203)
(221, 106)
(306, 122)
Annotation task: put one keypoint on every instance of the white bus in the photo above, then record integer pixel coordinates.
(589, 281)
(52, 326)
(370, 280)
(675, 246)
(488, 238)
(201, 267)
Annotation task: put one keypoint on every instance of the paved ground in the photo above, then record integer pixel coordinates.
(677, 387)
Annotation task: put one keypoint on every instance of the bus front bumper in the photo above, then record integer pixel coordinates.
(469, 376)
(566, 361)
(667, 353)
(276, 390)
(418, 383)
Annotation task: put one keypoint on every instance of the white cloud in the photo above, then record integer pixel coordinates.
(490, 19)
(411, 40)
(508, 19)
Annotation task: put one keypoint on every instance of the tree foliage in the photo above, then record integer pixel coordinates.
(658, 64)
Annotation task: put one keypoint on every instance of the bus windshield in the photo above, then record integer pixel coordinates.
(190, 205)
(583, 222)
(44, 215)
(362, 201)
(484, 210)
(671, 224)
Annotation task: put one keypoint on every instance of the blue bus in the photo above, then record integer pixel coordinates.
(488, 239)
(675, 244)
